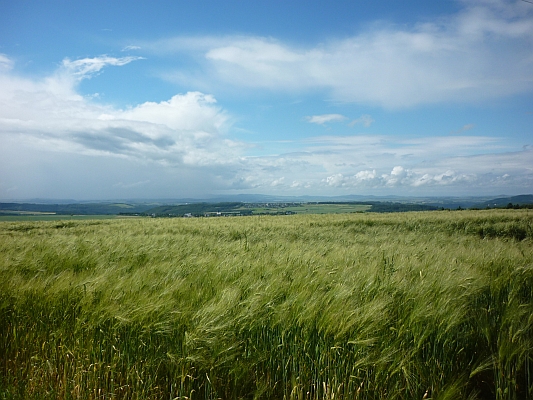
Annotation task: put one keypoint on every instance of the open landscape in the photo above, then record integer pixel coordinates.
(266, 200)
(46, 211)
(413, 305)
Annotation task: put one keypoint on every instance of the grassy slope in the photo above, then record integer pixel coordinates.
(354, 306)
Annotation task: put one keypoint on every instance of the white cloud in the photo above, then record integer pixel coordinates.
(465, 128)
(322, 119)
(193, 111)
(400, 177)
(85, 67)
(335, 180)
(388, 164)
(481, 53)
(55, 141)
(363, 176)
(48, 116)
(397, 176)
(130, 47)
(365, 120)
(52, 110)
(278, 182)
(6, 64)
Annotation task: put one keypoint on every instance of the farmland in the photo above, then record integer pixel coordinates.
(315, 208)
(36, 211)
(341, 306)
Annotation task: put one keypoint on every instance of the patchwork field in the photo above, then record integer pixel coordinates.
(342, 306)
(316, 208)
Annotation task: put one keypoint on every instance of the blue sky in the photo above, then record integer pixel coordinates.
(171, 99)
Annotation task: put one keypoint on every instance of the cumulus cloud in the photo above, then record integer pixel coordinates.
(481, 53)
(398, 177)
(52, 109)
(378, 164)
(192, 111)
(322, 119)
(48, 116)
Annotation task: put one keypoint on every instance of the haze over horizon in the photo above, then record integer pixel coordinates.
(107, 100)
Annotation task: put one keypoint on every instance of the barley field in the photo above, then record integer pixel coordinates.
(432, 305)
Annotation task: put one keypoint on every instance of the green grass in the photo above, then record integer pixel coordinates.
(342, 306)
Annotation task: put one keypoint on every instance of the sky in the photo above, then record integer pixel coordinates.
(103, 100)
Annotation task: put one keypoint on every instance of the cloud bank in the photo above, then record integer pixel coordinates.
(47, 121)
(55, 142)
(479, 54)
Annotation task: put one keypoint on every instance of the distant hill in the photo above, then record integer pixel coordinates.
(76, 208)
(522, 199)
(169, 208)
(400, 207)
(233, 208)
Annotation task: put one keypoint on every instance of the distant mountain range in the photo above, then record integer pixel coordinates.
(74, 208)
(504, 201)
(218, 203)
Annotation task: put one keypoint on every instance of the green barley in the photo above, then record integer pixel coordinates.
(351, 306)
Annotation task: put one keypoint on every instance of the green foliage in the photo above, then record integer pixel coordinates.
(355, 306)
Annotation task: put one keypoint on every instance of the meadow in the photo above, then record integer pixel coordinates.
(421, 305)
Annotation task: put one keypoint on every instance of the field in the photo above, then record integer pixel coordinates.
(310, 208)
(428, 305)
